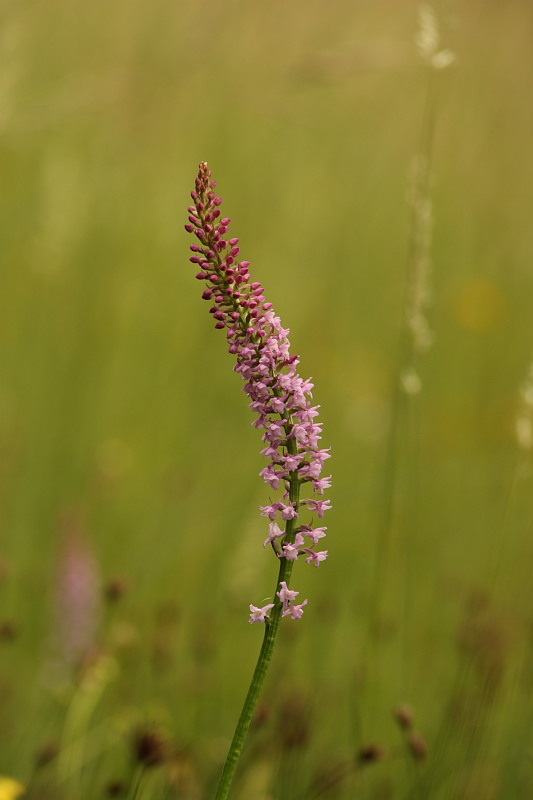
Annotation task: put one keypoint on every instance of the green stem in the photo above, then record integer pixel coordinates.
(265, 655)
(254, 691)
(136, 783)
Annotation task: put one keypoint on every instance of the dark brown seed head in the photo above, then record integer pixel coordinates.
(370, 753)
(46, 753)
(8, 630)
(115, 589)
(404, 716)
(150, 747)
(116, 789)
(417, 746)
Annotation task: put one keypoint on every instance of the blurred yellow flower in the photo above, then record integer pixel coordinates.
(479, 305)
(10, 789)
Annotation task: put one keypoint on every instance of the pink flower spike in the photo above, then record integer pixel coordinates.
(259, 614)
(280, 399)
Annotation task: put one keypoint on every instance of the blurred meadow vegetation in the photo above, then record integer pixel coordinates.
(130, 542)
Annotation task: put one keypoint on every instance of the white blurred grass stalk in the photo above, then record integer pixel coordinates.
(519, 484)
(418, 292)
(524, 417)
(400, 487)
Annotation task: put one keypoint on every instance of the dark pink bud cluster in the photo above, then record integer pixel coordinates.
(280, 398)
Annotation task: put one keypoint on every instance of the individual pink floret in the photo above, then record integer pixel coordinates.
(288, 511)
(259, 614)
(274, 532)
(316, 558)
(286, 595)
(314, 533)
(295, 612)
(290, 550)
(320, 506)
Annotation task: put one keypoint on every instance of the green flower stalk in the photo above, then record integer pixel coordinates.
(282, 402)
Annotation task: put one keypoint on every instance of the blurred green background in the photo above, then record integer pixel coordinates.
(128, 464)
